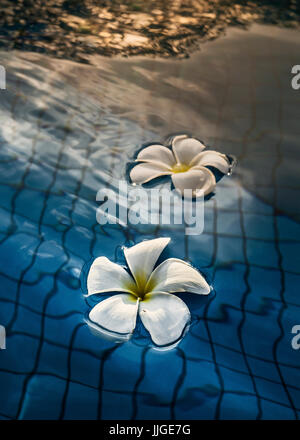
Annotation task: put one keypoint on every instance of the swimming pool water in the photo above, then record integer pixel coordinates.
(58, 147)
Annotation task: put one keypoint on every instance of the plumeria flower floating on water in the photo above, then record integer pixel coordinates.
(186, 163)
(147, 291)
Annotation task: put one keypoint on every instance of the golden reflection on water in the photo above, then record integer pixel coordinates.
(74, 29)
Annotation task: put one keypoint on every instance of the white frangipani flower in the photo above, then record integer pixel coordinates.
(146, 291)
(186, 163)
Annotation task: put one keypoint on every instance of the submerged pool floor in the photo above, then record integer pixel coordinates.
(68, 130)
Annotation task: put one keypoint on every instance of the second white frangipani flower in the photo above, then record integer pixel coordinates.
(145, 291)
(186, 163)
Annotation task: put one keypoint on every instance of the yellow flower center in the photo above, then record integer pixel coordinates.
(180, 168)
(141, 286)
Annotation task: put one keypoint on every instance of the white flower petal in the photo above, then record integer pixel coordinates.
(157, 153)
(144, 172)
(195, 179)
(165, 317)
(116, 314)
(142, 257)
(174, 275)
(106, 276)
(212, 158)
(186, 148)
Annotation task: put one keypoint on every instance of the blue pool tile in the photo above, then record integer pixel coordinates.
(10, 291)
(7, 311)
(20, 256)
(27, 348)
(203, 404)
(57, 211)
(107, 241)
(84, 367)
(116, 406)
(290, 256)
(295, 396)
(264, 369)
(230, 358)
(291, 374)
(125, 354)
(84, 213)
(31, 198)
(5, 221)
(259, 226)
(239, 407)
(291, 293)
(23, 316)
(13, 174)
(162, 371)
(4, 417)
(64, 300)
(201, 250)
(53, 358)
(229, 285)
(43, 388)
(288, 229)
(194, 347)
(11, 392)
(236, 382)
(209, 219)
(49, 257)
(8, 194)
(227, 197)
(226, 335)
(229, 224)
(68, 182)
(90, 342)
(78, 240)
(275, 411)
(61, 331)
(272, 391)
(262, 253)
(37, 180)
(201, 387)
(37, 291)
(81, 403)
(230, 250)
(262, 346)
(264, 296)
(254, 205)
